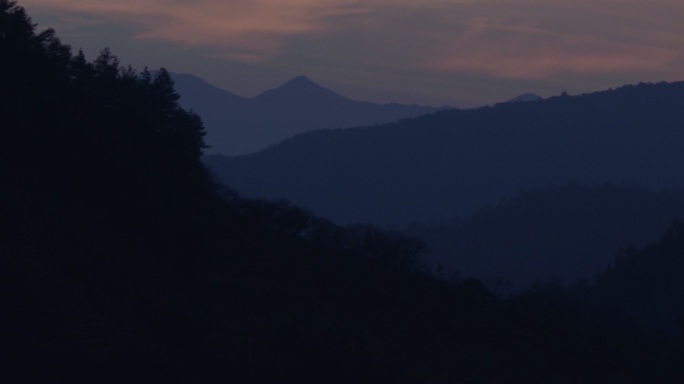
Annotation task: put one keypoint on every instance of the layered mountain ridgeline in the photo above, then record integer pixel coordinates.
(451, 163)
(237, 125)
(568, 232)
(121, 262)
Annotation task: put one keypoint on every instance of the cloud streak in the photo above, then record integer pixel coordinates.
(526, 39)
(545, 39)
(247, 29)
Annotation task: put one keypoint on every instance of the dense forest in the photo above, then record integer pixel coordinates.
(566, 232)
(122, 260)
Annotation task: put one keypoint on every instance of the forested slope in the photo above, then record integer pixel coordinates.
(121, 261)
(568, 232)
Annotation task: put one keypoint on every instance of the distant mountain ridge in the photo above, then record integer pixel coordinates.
(524, 97)
(237, 125)
(568, 232)
(300, 86)
(450, 163)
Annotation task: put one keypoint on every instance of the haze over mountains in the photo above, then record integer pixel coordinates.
(448, 165)
(451, 163)
(237, 125)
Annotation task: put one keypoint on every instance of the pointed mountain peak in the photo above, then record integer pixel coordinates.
(298, 87)
(301, 79)
(300, 83)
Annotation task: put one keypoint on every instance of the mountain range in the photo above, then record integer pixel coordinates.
(450, 163)
(237, 125)
(123, 260)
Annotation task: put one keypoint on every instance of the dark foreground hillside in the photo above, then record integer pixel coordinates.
(122, 262)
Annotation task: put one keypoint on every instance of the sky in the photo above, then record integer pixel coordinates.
(462, 53)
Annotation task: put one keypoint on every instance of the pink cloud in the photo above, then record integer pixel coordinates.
(543, 39)
(533, 54)
(502, 38)
(245, 29)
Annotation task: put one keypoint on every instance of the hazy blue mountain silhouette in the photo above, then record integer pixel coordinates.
(524, 97)
(237, 125)
(303, 90)
(214, 105)
(566, 232)
(450, 163)
(193, 86)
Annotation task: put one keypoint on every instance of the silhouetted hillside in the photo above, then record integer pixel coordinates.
(567, 232)
(237, 125)
(450, 163)
(121, 261)
(646, 282)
